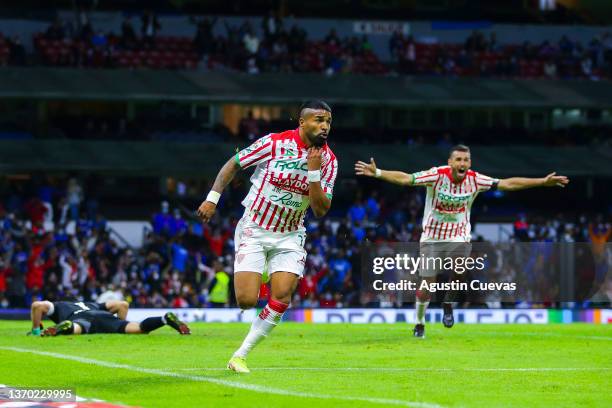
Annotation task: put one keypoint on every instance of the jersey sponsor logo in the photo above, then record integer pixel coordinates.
(453, 199)
(451, 203)
(293, 185)
(287, 199)
(291, 165)
(444, 216)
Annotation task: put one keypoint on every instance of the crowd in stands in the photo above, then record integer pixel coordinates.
(275, 47)
(55, 244)
(278, 49)
(485, 57)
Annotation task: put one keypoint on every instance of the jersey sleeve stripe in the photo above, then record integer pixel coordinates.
(254, 152)
(255, 159)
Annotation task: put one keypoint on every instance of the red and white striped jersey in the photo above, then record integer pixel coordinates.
(278, 198)
(448, 204)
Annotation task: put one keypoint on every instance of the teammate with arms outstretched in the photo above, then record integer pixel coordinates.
(451, 190)
(294, 169)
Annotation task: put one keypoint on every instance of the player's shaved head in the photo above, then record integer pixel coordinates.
(309, 106)
(459, 148)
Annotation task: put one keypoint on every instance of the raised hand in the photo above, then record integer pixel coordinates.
(552, 180)
(314, 158)
(366, 169)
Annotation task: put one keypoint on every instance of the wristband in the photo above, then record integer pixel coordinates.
(213, 197)
(314, 176)
(378, 173)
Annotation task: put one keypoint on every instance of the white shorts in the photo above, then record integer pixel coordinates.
(258, 249)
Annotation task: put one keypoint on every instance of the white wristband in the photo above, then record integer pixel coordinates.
(314, 176)
(378, 173)
(213, 197)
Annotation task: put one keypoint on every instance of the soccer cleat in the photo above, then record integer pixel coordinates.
(448, 319)
(176, 324)
(419, 331)
(238, 364)
(65, 327)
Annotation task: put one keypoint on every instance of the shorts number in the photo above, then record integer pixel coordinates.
(301, 239)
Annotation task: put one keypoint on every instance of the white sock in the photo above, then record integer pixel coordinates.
(421, 307)
(262, 325)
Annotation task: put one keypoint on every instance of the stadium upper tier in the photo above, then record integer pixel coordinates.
(253, 45)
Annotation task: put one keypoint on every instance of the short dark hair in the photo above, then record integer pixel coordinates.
(315, 104)
(458, 148)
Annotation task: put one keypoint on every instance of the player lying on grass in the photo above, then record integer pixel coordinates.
(294, 170)
(451, 190)
(95, 318)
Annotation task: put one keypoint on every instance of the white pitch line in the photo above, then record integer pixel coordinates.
(534, 334)
(227, 383)
(405, 369)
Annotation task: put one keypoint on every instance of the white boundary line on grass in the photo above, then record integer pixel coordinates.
(218, 381)
(406, 369)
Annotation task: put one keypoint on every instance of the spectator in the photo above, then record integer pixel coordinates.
(219, 288)
(251, 43)
(149, 29)
(395, 45)
(357, 212)
(129, 40)
(216, 240)
(586, 65)
(162, 221)
(17, 52)
(272, 25)
(56, 31)
(178, 226)
(332, 40)
(204, 38)
(99, 40)
(75, 196)
(4, 272)
(179, 256)
(339, 272)
(550, 69)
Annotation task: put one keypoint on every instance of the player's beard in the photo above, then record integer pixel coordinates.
(318, 141)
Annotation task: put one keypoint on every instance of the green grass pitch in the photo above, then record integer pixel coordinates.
(325, 365)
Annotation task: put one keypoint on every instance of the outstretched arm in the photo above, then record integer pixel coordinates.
(225, 176)
(521, 183)
(395, 177)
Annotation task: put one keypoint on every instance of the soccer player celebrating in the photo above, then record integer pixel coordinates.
(451, 190)
(294, 169)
